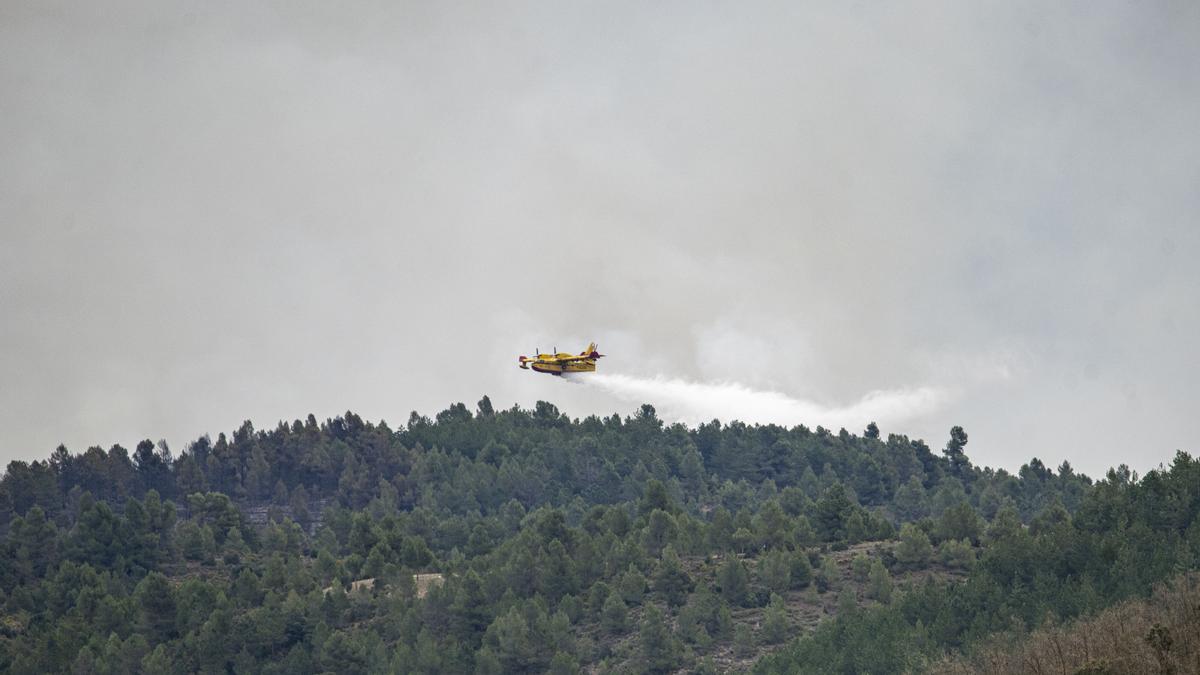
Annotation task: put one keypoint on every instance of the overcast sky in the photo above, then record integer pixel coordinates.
(972, 213)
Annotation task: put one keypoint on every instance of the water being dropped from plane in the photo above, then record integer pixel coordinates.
(678, 400)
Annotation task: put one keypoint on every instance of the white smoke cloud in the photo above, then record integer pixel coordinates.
(678, 400)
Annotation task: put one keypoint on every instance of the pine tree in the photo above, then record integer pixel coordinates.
(512, 640)
(655, 497)
(959, 522)
(720, 530)
(246, 590)
(959, 464)
(775, 622)
(812, 484)
(879, 583)
(1006, 524)
(661, 530)
(914, 550)
(157, 606)
(298, 503)
(373, 567)
(326, 566)
(847, 602)
(486, 663)
(734, 581)
(801, 570)
(596, 596)
(614, 615)
(957, 554)
(829, 577)
(661, 651)
(157, 661)
(803, 532)
(773, 527)
(470, 610)
(563, 664)
(775, 569)
(860, 565)
(633, 585)
(670, 580)
(275, 574)
(911, 502)
(832, 510)
(857, 526)
(258, 474)
(743, 640)
(235, 543)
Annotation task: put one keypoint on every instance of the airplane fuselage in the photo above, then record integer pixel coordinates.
(560, 363)
(588, 366)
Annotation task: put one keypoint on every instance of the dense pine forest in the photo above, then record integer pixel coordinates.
(524, 541)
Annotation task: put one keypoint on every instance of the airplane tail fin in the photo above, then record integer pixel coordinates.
(591, 352)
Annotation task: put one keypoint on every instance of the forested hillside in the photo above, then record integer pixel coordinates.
(556, 545)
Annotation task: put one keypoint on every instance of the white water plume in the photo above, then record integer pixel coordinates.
(679, 400)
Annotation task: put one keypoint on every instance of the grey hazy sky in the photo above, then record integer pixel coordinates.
(986, 213)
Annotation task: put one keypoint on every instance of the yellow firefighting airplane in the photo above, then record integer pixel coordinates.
(557, 364)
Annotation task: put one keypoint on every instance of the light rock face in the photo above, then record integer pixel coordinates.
(423, 582)
(427, 581)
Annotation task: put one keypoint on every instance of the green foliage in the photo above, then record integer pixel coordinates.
(959, 522)
(544, 530)
(832, 512)
(775, 627)
(914, 551)
(512, 640)
(734, 581)
(1006, 525)
(563, 664)
(959, 464)
(743, 640)
(614, 615)
(956, 553)
(661, 531)
(879, 582)
(773, 527)
(705, 618)
(655, 498)
(875, 640)
(246, 589)
(860, 566)
(802, 571)
(828, 577)
(661, 651)
(671, 582)
(803, 531)
(775, 570)
(632, 585)
(911, 502)
(156, 602)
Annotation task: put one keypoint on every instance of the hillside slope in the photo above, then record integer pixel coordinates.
(599, 545)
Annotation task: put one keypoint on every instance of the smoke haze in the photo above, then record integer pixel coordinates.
(984, 211)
